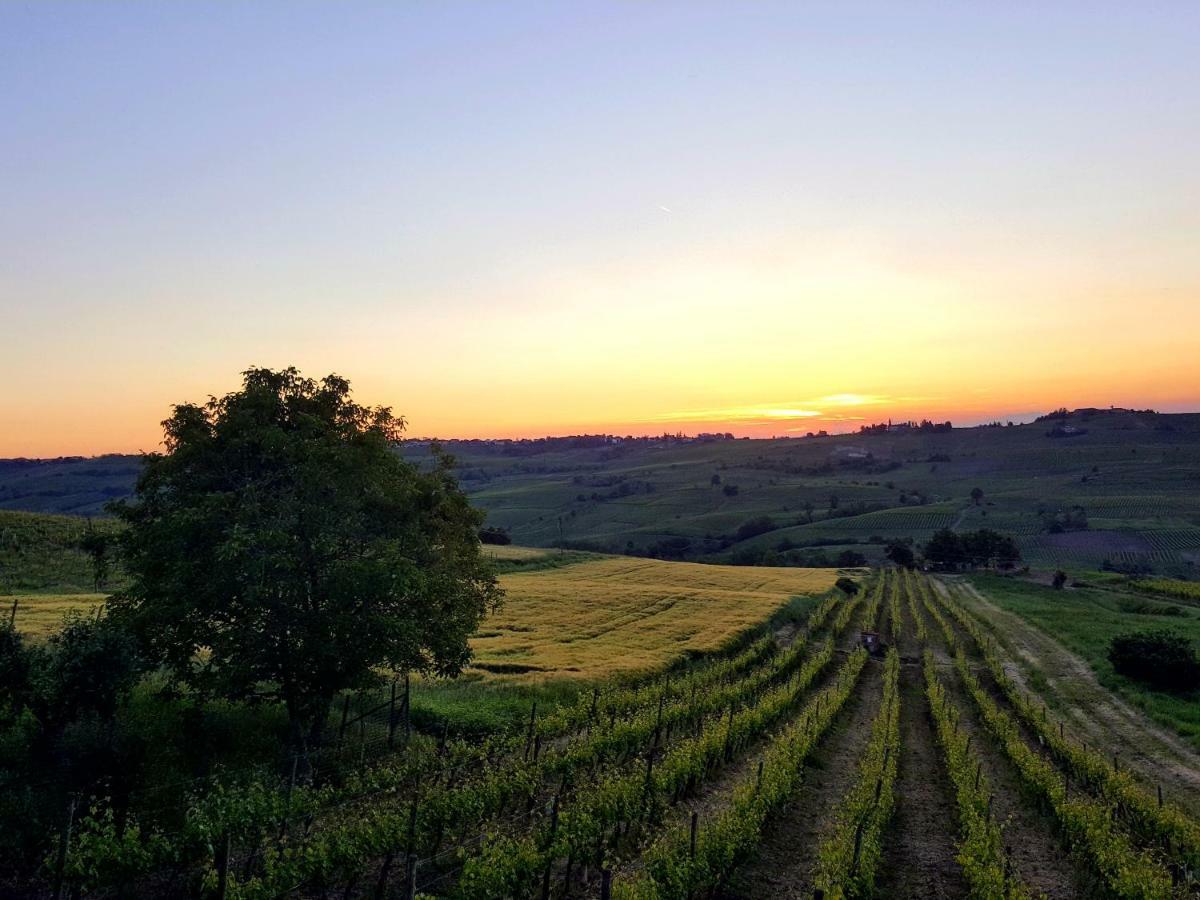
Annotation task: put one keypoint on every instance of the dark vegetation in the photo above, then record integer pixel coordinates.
(1163, 659)
(278, 554)
(949, 551)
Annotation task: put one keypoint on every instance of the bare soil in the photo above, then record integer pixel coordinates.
(920, 847)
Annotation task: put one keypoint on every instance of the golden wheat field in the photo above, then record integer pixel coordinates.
(40, 615)
(512, 551)
(621, 614)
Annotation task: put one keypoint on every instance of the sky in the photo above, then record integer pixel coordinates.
(523, 219)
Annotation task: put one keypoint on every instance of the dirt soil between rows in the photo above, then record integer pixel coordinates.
(919, 859)
(785, 861)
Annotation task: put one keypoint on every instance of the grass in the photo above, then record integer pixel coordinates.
(1084, 620)
(40, 553)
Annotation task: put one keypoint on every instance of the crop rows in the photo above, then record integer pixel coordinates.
(1090, 826)
(675, 868)
(981, 846)
(266, 816)
(849, 856)
(341, 847)
(1156, 823)
(911, 591)
(600, 813)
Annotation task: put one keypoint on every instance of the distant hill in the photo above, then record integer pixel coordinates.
(1133, 475)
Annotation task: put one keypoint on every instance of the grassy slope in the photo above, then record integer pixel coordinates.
(40, 553)
(1084, 620)
(1137, 477)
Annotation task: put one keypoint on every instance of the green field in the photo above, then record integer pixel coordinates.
(1084, 620)
(1134, 475)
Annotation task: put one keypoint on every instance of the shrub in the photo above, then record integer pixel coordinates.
(1163, 659)
(850, 559)
(846, 585)
(754, 527)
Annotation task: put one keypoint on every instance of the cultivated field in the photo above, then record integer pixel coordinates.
(609, 616)
(971, 756)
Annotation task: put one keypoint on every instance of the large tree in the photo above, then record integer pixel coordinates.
(280, 548)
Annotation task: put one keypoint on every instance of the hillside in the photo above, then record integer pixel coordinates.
(1135, 475)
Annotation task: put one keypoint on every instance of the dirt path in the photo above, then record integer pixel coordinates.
(784, 862)
(921, 843)
(1094, 713)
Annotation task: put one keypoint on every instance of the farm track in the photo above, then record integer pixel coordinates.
(1095, 714)
(919, 850)
(785, 861)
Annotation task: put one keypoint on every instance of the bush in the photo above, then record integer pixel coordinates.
(850, 559)
(846, 585)
(754, 527)
(495, 535)
(1163, 659)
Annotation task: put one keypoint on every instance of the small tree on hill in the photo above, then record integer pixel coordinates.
(977, 495)
(96, 545)
(282, 534)
(900, 554)
(1059, 581)
(945, 550)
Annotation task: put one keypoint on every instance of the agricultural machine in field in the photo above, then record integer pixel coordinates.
(872, 644)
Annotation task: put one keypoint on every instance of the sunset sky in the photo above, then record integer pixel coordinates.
(526, 219)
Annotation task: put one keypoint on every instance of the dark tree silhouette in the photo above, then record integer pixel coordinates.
(282, 534)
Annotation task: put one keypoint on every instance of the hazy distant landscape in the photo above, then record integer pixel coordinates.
(1135, 477)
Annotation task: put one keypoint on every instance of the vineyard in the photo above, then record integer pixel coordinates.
(798, 764)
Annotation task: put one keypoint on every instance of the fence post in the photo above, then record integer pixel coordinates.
(529, 734)
(407, 710)
(345, 715)
(592, 711)
(858, 836)
(550, 843)
(223, 868)
(392, 717)
(410, 877)
(64, 843)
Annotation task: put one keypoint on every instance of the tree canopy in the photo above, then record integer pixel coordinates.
(280, 548)
(948, 549)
